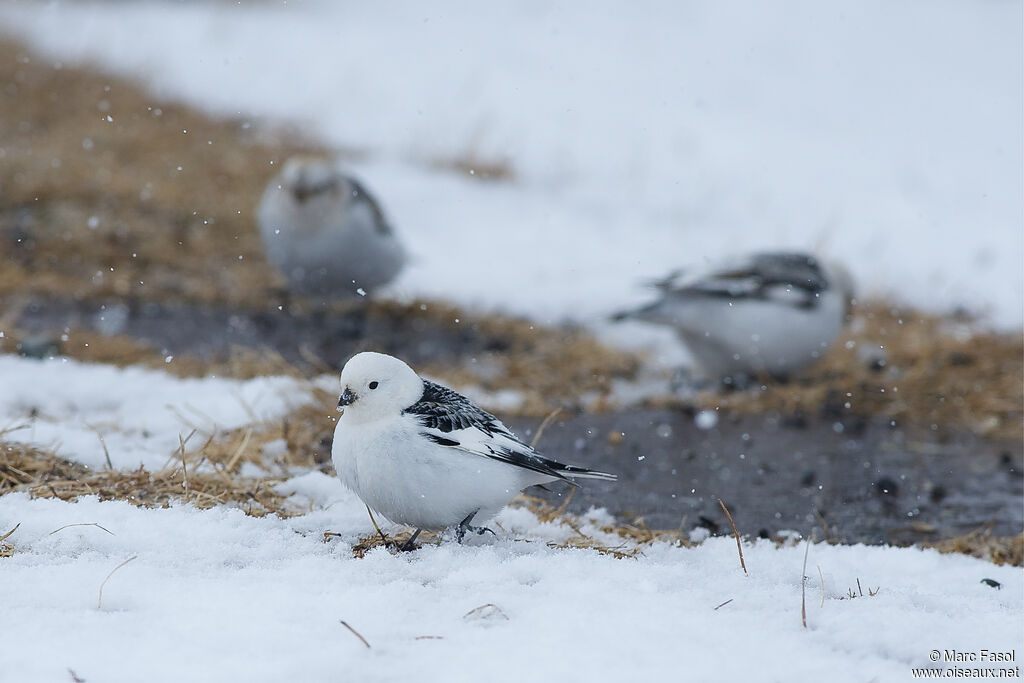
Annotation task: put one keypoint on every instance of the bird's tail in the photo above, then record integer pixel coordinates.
(584, 473)
(637, 313)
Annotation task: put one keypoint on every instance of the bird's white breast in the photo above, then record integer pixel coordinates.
(411, 480)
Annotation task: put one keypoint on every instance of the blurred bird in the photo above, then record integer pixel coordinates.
(325, 233)
(423, 455)
(762, 313)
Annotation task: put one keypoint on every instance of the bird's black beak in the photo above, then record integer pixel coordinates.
(347, 398)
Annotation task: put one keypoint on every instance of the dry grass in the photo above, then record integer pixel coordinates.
(982, 544)
(46, 475)
(937, 371)
(204, 472)
(158, 194)
(477, 167)
(550, 368)
(121, 350)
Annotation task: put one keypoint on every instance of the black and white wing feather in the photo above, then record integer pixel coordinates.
(789, 278)
(450, 419)
(361, 196)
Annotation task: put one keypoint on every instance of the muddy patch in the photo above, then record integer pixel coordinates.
(875, 485)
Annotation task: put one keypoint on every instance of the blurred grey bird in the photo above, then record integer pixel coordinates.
(762, 313)
(325, 233)
(423, 455)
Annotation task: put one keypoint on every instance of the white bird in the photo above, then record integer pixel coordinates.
(423, 455)
(325, 233)
(762, 313)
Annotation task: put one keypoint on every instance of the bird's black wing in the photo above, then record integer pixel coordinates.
(361, 195)
(450, 419)
(779, 276)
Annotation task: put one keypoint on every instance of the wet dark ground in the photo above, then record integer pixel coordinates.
(302, 338)
(882, 485)
(861, 480)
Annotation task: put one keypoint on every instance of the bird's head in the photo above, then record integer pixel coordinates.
(375, 385)
(308, 178)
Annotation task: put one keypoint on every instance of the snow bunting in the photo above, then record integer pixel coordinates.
(325, 233)
(423, 455)
(765, 312)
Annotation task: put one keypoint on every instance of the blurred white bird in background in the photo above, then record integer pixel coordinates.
(423, 455)
(765, 313)
(325, 233)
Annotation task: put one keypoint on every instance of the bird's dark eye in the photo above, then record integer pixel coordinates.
(374, 384)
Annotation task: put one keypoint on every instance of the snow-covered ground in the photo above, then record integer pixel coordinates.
(89, 412)
(216, 595)
(642, 137)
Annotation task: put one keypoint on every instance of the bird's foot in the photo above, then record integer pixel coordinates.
(411, 543)
(464, 526)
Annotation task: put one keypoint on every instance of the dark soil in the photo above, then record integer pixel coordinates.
(864, 482)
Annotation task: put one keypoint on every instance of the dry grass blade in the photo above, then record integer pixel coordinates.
(184, 469)
(95, 524)
(735, 533)
(354, 632)
(803, 585)
(238, 451)
(383, 538)
(547, 420)
(6, 549)
(560, 512)
(821, 579)
(106, 452)
(99, 602)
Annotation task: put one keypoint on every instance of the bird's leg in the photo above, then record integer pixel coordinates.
(410, 544)
(464, 526)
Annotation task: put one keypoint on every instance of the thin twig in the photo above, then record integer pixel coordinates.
(561, 508)
(725, 603)
(803, 585)
(354, 632)
(736, 533)
(106, 452)
(184, 469)
(77, 524)
(99, 603)
(859, 589)
(821, 520)
(238, 452)
(821, 578)
(545, 423)
(8, 534)
(382, 536)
